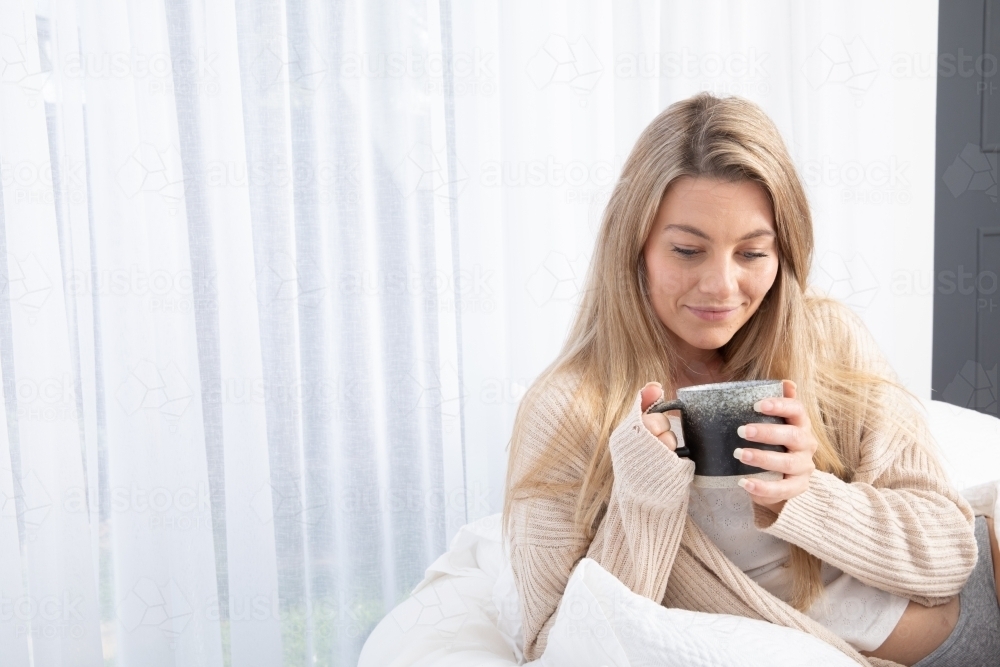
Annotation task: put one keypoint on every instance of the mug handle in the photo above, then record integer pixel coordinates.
(672, 405)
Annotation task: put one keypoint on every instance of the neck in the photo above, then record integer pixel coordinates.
(697, 366)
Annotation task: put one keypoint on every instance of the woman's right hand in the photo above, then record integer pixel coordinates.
(657, 423)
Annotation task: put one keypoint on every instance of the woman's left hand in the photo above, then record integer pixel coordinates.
(796, 464)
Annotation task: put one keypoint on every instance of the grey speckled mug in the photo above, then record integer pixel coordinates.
(710, 415)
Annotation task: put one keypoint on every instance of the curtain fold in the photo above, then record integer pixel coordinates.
(275, 274)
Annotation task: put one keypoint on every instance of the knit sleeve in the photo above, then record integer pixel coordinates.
(898, 525)
(637, 538)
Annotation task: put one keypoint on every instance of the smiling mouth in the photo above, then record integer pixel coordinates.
(712, 314)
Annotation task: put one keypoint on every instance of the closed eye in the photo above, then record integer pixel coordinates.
(685, 252)
(690, 252)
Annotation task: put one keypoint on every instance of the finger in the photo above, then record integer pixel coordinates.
(791, 409)
(774, 491)
(651, 392)
(670, 440)
(766, 501)
(776, 434)
(788, 388)
(789, 464)
(657, 423)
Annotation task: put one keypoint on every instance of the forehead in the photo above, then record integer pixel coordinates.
(718, 204)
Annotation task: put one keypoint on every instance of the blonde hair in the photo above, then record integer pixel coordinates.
(617, 343)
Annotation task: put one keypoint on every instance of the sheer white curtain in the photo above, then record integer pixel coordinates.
(276, 274)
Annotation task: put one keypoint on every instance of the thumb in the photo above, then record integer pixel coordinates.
(651, 392)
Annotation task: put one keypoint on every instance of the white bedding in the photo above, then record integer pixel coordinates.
(451, 620)
(465, 612)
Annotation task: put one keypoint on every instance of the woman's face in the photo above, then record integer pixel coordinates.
(711, 257)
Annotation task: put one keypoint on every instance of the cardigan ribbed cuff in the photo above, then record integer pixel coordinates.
(804, 516)
(645, 468)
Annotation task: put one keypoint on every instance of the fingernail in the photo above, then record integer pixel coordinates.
(738, 453)
(746, 431)
(757, 406)
(746, 484)
(741, 431)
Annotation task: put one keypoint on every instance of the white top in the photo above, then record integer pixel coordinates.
(861, 615)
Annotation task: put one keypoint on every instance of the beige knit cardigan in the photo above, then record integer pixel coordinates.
(897, 526)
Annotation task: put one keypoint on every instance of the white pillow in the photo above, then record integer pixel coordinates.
(968, 443)
(601, 623)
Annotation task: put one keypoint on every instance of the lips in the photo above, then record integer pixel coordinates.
(711, 313)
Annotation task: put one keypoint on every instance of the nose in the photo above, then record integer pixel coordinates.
(720, 279)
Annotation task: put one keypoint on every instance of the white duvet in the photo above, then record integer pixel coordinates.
(466, 613)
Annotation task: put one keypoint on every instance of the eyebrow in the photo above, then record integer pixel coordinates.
(697, 232)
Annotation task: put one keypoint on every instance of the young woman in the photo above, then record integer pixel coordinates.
(699, 276)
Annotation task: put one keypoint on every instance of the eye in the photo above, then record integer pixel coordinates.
(754, 254)
(685, 252)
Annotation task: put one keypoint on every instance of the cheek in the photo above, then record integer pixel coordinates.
(666, 279)
(759, 281)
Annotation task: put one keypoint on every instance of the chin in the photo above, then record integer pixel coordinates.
(708, 340)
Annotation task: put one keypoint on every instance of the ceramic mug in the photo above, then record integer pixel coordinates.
(710, 415)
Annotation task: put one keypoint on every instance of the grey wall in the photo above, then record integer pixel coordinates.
(967, 224)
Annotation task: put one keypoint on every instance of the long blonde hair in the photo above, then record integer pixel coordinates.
(617, 343)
